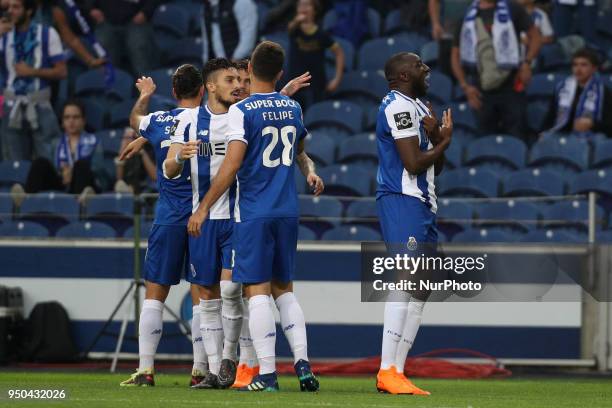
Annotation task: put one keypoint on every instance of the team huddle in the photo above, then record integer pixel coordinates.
(227, 214)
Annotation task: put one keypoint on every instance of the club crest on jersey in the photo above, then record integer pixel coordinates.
(175, 123)
(403, 120)
(412, 243)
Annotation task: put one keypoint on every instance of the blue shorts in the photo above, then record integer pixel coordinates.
(405, 218)
(166, 254)
(210, 252)
(264, 250)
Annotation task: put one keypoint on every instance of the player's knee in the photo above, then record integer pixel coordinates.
(231, 291)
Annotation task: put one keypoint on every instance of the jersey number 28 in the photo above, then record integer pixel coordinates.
(287, 136)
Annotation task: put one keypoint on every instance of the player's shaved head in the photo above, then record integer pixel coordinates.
(215, 65)
(267, 61)
(406, 73)
(186, 82)
(397, 64)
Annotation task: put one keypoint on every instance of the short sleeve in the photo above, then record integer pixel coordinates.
(545, 27)
(402, 119)
(182, 122)
(143, 126)
(236, 127)
(56, 52)
(303, 132)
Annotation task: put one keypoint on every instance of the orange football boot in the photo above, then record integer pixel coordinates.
(245, 375)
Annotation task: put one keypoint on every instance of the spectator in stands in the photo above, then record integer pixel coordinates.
(582, 102)
(488, 45)
(78, 157)
(57, 14)
(135, 173)
(123, 28)
(32, 57)
(540, 19)
(230, 29)
(307, 53)
(435, 17)
(565, 11)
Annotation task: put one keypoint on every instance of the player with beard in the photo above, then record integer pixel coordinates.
(200, 138)
(411, 147)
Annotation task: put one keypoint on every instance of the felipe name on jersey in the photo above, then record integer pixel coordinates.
(273, 103)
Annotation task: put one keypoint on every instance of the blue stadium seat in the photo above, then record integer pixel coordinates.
(347, 179)
(23, 229)
(430, 53)
(111, 141)
(362, 209)
(602, 154)
(363, 87)
(507, 151)
(116, 210)
(95, 114)
(145, 230)
(464, 118)
(454, 154)
(120, 114)
(161, 103)
(533, 182)
(604, 236)
(306, 234)
(519, 215)
(92, 83)
(329, 21)
(172, 19)
(549, 235)
(414, 40)
(12, 172)
(86, 229)
(543, 86)
(163, 81)
(358, 148)
(468, 182)
(351, 233)
(440, 88)
(6, 207)
(552, 58)
(592, 180)
(454, 216)
(51, 209)
(573, 213)
(184, 51)
(536, 115)
(604, 23)
(321, 148)
(572, 153)
(349, 55)
(335, 115)
(320, 213)
(373, 53)
(487, 235)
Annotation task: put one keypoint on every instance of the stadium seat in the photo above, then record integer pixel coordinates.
(604, 237)
(543, 86)
(329, 21)
(487, 235)
(363, 87)
(574, 213)
(351, 233)
(358, 148)
(373, 53)
(454, 154)
(604, 23)
(92, 83)
(163, 81)
(533, 182)
(161, 103)
(454, 216)
(552, 58)
(347, 179)
(592, 180)
(51, 209)
(510, 214)
(171, 19)
(602, 154)
(12, 172)
(95, 114)
(440, 88)
(111, 141)
(550, 235)
(468, 182)
(120, 114)
(349, 55)
(86, 229)
(306, 234)
(430, 52)
(537, 112)
(116, 210)
(184, 51)
(572, 153)
(507, 151)
(320, 213)
(321, 148)
(23, 229)
(336, 116)
(145, 230)
(464, 118)
(6, 207)
(362, 212)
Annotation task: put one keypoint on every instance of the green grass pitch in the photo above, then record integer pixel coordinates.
(102, 390)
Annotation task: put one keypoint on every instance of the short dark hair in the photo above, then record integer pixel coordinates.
(267, 60)
(242, 64)
(589, 54)
(186, 81)
(214, 65)
(74, 102)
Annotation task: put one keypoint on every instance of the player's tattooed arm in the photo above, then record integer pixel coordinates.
(296, 84)
(146, 87)
(134, 147)
(222, 181)
(308, 169)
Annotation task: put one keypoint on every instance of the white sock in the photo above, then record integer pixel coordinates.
(149, 332)
(263, 332)
(231, 315)
(414, 315)
(395, 315)
(247, 351)
(200, 361)
(293, 324)
(212, 332)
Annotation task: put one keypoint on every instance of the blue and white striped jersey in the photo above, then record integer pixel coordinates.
(211, 129)
(399, 116)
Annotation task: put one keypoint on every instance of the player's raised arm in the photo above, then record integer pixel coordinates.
(146, 87)
(308, 169)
